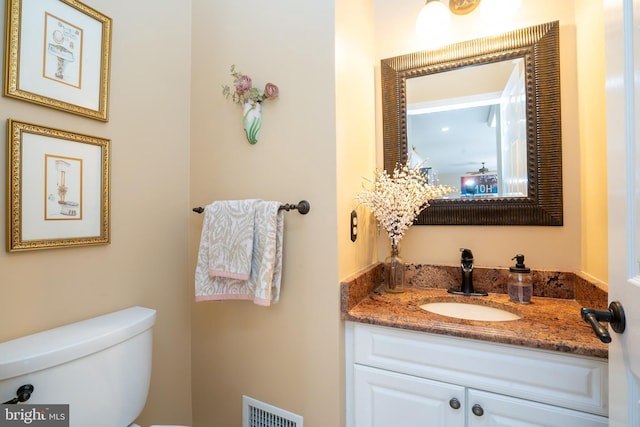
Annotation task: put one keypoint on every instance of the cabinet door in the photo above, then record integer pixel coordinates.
(495, 410)
(388, 399)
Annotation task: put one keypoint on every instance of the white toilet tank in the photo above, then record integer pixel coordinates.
(101, 367)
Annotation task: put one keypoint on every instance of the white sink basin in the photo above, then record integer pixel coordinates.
(470, 311)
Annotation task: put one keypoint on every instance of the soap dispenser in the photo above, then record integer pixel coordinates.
(519, 286)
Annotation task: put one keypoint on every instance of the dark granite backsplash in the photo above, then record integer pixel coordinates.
(549, 284)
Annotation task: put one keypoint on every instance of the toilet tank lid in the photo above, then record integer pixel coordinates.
(60, 345)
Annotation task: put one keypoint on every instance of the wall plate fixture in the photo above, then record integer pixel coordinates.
(354, 226)
(462, 7)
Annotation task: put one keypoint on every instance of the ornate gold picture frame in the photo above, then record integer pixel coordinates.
(57, 188)
(58, 54)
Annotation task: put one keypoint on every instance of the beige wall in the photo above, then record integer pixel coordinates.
(146, 263)
(355, 132)
(545, 247)
(290, 354)
(593, 150)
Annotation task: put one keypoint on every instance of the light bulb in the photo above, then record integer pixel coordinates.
(433, 19)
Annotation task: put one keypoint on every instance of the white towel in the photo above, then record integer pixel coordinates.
(230, 227)
(263, 285)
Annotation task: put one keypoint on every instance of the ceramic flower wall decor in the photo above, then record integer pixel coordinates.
(250, 97)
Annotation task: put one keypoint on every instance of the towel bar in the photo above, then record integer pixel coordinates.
(303, 207)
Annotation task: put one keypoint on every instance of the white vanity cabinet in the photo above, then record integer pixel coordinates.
(384, 398)
(400, 378)
(496, 410)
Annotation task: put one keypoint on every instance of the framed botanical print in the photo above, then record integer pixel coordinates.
(58, 188)
(58, 54)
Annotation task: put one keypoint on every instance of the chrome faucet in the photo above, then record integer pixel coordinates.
(466, 267)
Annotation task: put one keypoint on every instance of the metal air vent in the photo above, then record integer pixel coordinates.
(260, 414)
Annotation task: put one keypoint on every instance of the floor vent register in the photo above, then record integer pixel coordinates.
(260, 414)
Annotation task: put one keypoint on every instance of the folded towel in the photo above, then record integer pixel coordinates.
(230, 237)
(263, 285)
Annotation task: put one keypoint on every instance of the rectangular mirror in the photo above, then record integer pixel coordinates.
(474, 135)
(483, 116)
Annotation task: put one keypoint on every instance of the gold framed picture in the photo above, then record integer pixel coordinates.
(58, 54)
(58, 188)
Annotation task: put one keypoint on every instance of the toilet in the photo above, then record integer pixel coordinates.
(100, 367)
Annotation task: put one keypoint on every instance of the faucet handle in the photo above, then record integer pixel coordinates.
(467, 255)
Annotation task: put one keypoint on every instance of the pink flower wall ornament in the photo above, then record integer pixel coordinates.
(251, 99)
(242, 84)
(271, 91)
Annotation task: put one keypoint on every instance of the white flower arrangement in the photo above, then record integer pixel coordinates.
(396, 200)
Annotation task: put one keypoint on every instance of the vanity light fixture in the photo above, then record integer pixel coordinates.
(434, 17)
(462, 7)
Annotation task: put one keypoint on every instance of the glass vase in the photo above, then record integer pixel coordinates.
(394, 272)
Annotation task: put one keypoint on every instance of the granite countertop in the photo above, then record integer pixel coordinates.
(548, 323)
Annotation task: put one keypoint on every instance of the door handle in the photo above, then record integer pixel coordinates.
(614, 316)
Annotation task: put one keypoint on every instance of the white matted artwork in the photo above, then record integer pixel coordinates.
(58, 55)
(58, 188)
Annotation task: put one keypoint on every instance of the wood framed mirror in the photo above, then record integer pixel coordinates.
(521, 183)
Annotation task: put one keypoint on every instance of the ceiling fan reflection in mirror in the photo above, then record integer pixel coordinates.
(483, 170)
